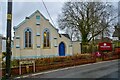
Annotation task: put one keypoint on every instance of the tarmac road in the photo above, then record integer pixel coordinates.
(107, 69)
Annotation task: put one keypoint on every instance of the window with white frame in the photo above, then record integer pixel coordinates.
(28, 40)
(37, 20)
(46, 38)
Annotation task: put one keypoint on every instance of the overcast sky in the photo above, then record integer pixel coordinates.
(24, 9)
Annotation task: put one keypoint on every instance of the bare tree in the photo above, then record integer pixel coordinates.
(89, 19)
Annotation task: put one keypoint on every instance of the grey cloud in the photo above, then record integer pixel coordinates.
(23, 9)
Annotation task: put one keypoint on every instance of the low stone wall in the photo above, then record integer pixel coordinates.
(44, 64)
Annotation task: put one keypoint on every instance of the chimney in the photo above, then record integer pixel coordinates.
(27, 18)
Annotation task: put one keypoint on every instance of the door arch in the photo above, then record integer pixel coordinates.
(61, 49)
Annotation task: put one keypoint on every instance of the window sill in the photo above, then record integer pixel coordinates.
(28, 48)
(55, 46)
(37, 35)
(17, 37)
(46, 48)
(37, 23)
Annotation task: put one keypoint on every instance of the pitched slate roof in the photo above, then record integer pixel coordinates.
(66, 35)
(105, 39)
(116, 32)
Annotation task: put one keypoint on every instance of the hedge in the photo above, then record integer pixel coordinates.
(43, 64)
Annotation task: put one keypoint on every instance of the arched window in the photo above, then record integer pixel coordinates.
(28, 40)
(46, 38)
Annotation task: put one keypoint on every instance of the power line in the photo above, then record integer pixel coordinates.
(48, 12)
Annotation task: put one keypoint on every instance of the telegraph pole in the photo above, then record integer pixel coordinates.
(8, 40)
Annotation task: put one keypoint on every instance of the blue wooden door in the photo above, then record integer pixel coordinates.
(61, 49)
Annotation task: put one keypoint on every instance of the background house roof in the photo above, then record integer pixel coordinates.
(105, 39)
(66, 35)
(116, 32)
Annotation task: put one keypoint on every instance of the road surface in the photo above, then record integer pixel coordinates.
(107, 69)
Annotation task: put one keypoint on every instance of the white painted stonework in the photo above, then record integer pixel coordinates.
(115, 38)
(37, 27)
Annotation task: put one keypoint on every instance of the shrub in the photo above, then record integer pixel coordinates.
(15, 63)
(54, 63)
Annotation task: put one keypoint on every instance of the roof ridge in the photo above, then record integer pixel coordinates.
(33, 13)
(23, 21)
